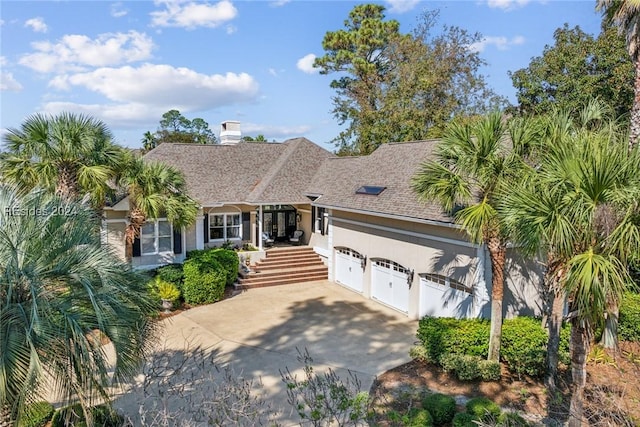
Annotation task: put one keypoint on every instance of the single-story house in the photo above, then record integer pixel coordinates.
(358, 213)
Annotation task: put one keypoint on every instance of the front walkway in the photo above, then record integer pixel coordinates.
(259, 331)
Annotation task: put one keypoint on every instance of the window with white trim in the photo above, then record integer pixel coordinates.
(156, 237)
(446, 282)
(225, 226)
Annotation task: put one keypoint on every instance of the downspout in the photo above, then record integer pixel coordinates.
(260, 227)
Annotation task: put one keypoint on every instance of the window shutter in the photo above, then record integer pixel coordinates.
(206, 228)
(177, 240)
(246, 225)
(313, 219)
(137, 249)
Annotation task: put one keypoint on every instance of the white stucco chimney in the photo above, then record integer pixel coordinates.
(230, 132)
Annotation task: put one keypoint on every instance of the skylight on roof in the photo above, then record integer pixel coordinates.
(371, 190)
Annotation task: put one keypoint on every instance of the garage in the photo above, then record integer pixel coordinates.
(390, 284)
(441, 296)
(349, 268)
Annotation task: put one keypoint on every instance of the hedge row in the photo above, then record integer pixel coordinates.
(206, 273)
(629, 320)
(524, 341)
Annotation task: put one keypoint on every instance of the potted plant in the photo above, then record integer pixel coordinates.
(168, 293)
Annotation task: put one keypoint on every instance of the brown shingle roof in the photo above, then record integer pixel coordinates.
(391, 166)
(244, 172)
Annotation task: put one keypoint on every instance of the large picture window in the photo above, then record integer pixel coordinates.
(156, 237)
(225, 226)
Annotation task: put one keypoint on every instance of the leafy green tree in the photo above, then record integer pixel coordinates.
(259, 138)
(174, 127)
(574, 70)
(71, 155)
(580, 208)
(625, 14)
(399, 87)
(155, 190)
(62, 295)
(472, 164)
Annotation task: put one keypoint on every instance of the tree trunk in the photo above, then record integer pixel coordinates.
(558, 297)
(67, 185)
(580, 341)
(610, 334)
(498, 256)
(136, 219)
(634, 130)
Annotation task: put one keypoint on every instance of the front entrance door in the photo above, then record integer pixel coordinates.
(279, 221)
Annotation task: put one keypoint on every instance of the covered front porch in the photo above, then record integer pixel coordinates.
(259, 225)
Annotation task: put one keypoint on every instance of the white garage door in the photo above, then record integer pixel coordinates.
(390, 284)
(442, 296)
(349, 270)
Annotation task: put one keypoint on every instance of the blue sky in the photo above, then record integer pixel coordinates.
(128, 62)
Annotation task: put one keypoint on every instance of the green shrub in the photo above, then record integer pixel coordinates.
(463, 419)
(418, 352)
(441, 407)
(489, 370)
(103, 416)
(469, 368)
(483, 408)
(417, 418)
(629, 320)
(165, 290)
(204, 281)
(460, 336)
(172, 273)
(470, 337)
(229, 261)
(512, 419)
(524, 346)
(36, 414)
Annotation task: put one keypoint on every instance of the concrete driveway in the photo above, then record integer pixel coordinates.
(258, 333)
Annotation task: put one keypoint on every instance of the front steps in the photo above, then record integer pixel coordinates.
(283, 266)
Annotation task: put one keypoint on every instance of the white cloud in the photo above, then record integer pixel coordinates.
(191, 15)
(401, 6)
(75, 52)
(305, 64)
(273, 72)
(163, 86)
(118, 10)
(231, 29)
(8, 82)
(278, 3)
(3, 61)
(501, 43)
(507, 4)
(36, 24)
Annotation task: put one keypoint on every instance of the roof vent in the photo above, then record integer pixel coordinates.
(371, 190)
(230, 132)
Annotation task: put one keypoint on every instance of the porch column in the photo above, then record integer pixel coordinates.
(200, 232)
(260, 227)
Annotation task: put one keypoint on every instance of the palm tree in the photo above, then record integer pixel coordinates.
(149, 141)
(626, 15)
(471, 165)
(62, 295)
(71, 155)
(581, 209)
(154, 190)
